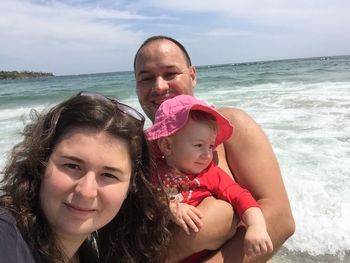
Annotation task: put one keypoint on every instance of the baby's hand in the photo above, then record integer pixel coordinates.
(257, 241)
(186, 216)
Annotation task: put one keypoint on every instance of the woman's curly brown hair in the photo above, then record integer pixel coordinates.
(139, 231)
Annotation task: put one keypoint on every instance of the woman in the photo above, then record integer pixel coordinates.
(76, 188)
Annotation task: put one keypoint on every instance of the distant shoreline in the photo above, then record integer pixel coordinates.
(6, 75)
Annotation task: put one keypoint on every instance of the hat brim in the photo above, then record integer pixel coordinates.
(160, 130)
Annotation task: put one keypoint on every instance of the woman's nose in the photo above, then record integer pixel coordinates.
(87, 185)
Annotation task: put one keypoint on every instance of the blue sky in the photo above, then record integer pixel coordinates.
(77, 36)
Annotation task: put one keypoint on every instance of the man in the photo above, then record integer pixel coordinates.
(163, 70)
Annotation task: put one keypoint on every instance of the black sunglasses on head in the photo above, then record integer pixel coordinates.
(126, 109)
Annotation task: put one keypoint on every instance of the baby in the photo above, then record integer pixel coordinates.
(183, 137)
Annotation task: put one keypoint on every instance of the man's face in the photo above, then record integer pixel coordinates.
(161, 73)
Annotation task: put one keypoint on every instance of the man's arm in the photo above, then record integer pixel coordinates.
(219, 225)
(252, 161)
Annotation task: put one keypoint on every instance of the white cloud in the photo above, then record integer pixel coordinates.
(60, 22)
(225, 32)
(248, 7)
(31, 31)
(83, 36)
(266, 12)
(290, 27)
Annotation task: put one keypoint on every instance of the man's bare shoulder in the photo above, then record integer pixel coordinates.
(230, 111)
(239, 118)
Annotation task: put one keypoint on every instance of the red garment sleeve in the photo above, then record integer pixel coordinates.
(225, 188)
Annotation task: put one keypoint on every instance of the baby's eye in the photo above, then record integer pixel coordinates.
(198, 145)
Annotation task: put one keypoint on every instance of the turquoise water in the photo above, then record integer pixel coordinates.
(303, 106)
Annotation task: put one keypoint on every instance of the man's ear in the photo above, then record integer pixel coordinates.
(193, 75)
(164, 145)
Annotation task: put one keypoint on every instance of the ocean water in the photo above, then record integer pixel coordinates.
(303, 106)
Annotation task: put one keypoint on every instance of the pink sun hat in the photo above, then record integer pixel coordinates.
(173, 113)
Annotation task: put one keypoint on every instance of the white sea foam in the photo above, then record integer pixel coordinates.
(309, 126)
(12, 122)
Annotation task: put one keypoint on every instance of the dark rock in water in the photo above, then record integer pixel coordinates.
(24, 74)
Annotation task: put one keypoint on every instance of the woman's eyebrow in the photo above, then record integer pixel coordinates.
(108, 168)
(113, 169)
(73, 158)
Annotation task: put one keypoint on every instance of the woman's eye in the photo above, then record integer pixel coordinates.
(72, 166)
(110, 176)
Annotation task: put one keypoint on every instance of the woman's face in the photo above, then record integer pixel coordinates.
(85, 182)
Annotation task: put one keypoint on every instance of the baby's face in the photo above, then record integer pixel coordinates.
(191, 149)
